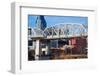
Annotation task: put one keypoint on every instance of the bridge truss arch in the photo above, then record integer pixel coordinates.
(61, 30)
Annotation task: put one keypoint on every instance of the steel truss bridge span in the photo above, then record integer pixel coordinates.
(61, 30)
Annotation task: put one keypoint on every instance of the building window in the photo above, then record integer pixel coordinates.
(29, 31)
(29, 43)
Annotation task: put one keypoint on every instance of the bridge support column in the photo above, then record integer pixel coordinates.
(37, 50)
(48, 47)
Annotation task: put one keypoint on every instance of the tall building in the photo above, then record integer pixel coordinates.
(41, 22)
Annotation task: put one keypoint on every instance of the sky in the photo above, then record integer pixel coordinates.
(52, 20)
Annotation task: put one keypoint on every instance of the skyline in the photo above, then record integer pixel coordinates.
(52, 20)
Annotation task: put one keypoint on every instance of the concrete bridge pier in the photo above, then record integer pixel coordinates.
(48, 47)
(37, 50)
